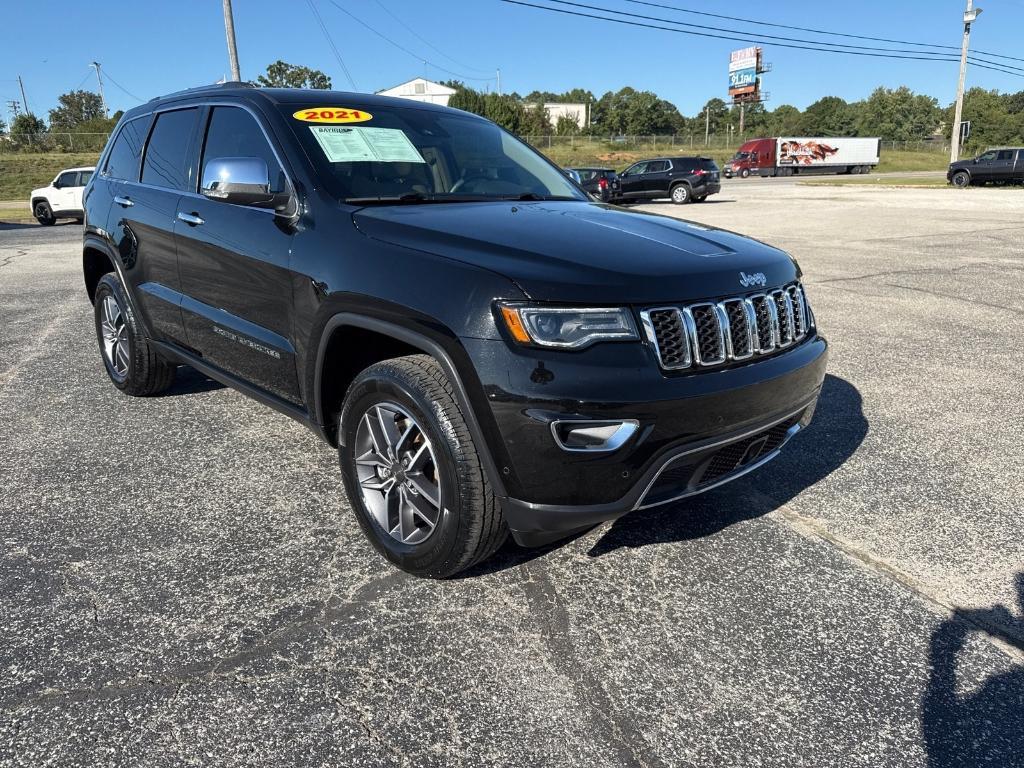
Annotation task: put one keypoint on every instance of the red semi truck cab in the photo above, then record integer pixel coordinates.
(750, 158)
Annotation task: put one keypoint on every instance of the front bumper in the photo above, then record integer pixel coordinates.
(689, 427)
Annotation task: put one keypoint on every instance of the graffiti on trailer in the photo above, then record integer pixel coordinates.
(804, 153)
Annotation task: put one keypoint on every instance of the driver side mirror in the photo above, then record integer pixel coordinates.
(574, 175)
(56, 184)
(241, 181)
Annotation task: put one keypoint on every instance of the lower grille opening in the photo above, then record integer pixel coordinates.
(692, 473)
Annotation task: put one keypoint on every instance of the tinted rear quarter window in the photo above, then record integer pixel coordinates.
(233, 132)
(708, 165)
(167, 162)
(123, 160)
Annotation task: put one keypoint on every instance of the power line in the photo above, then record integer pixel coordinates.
(743, 37)
(404, 49)
(761, 23)
(330, 42)
(943, 56)
(121, 87)
(426, 42)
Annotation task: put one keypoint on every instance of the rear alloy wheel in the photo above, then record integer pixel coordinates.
(44, 214)
(961, 179)
(132, 364)
(680, 194)
(412, 472)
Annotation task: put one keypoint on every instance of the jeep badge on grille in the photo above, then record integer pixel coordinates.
(757, 278)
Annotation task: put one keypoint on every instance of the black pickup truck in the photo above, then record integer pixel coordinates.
(490, 350)
(1003, 165)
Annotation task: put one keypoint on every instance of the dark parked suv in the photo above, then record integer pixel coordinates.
(683, 179)
(1003, 165)
(489, 350)
(602, 183)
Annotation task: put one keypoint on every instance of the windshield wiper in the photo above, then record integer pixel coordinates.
(413, 198)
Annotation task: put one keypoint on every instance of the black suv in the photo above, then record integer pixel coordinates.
(490, 350)
(683, 179)
(602, 183)
(1003, 165)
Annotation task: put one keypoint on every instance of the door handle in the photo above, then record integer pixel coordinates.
(190, 218)
(124, 202)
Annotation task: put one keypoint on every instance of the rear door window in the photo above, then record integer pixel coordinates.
(167, 162)
(657, 166)
(123, 160)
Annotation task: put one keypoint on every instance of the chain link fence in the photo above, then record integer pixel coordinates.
(53, 141)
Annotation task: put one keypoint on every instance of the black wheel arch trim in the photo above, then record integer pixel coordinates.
(429, 346)
(99, 244)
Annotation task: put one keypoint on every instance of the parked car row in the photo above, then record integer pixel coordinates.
(680, 179)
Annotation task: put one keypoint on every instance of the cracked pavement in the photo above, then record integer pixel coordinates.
(182, 582)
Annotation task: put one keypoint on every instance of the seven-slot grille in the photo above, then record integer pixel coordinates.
(712, 333)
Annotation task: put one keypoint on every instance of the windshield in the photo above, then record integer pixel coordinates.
(411, 155)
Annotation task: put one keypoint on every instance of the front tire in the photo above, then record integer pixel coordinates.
(744, 173)
(681, 194)
(961, 179)
(131, 362)
(44, 214)
(412, 473)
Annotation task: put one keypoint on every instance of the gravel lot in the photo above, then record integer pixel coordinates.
(181, 581)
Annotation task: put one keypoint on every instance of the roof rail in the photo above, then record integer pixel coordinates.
(210, 87)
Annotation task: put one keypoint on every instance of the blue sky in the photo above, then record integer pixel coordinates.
(150, 47)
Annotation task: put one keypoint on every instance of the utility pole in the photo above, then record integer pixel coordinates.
(24, 101)
(499, 82)
(229, 33)
(970, 14)
(742, 107)
(707, 123)
(96, 65)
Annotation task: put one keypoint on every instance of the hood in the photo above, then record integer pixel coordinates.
(961, 164)
(583, 252)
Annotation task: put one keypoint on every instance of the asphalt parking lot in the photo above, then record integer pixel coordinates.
(182, 583)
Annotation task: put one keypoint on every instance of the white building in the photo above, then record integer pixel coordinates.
(421, 89)
(580, 113)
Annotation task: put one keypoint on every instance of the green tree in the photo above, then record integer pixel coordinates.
(828, 116)
(898, 115)
(280, 74)
(566, 126)
(784, 120)
(27, 131)
(3, 126)
(76, 107)
(992, 122)
(714, 117)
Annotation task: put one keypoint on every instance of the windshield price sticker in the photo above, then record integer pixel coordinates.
(332, 115)
(352, 145)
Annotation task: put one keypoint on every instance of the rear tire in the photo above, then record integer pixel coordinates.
(412, 473)
(132, 364)
(961, 179)
(681, 194)
(44, 214)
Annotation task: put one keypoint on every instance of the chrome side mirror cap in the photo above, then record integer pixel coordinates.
(238, 180)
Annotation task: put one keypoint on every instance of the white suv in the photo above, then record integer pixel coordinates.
(63, 198)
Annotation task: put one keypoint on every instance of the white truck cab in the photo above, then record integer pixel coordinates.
(62, 199)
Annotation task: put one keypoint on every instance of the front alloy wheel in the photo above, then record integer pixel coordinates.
(398, 473)
(961, 179)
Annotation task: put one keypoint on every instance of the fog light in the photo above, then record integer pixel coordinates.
(593, 436)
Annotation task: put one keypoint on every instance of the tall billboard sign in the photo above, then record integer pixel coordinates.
(744, 68)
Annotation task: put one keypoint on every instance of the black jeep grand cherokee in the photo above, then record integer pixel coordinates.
(490, 350)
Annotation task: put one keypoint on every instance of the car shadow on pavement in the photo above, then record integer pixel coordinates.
(7, 225)
(838, 428)
(189, 381)
(983, 726)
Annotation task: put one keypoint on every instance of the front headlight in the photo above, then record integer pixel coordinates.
(567, 327)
